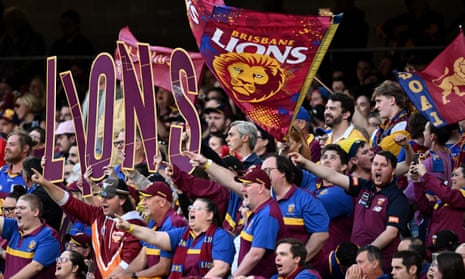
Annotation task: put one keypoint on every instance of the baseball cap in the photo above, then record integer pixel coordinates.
(158, 188)
(9, 115)
(303, 114)
(255, 175)
(79, 239)
(444, 240)
(324, 92)
(112, 187)
(65, 127)
(321, 131)
(351, 145)
(318, 112)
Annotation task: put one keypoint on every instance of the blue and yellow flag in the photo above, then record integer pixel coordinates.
(438, 92)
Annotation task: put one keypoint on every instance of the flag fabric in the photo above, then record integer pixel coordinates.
(266, 61)
(198, 14)
(160, 60)
(438, 91)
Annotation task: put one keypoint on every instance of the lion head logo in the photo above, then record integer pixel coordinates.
(250, 77)
(454, 82)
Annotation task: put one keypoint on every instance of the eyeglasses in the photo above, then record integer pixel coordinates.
(8, 209)
(118, 143)
(196, 208)
(62, 260)
(268, 170)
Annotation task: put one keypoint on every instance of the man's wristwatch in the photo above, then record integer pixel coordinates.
(134, 276)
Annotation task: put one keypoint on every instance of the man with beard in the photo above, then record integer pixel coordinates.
(263, 228)
(218, 116)
(18, 147)
(338, 116)
(381, 209)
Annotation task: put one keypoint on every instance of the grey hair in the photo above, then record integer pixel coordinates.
(247, 128)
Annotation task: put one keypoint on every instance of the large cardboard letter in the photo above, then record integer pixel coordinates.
(100, 156)
(139, 100)
(183, 73)
(53, 169)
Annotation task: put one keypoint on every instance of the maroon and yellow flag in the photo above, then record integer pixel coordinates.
(438, 91)
(160, 57)
(266, 61)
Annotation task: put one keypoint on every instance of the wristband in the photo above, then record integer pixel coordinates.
(207, 165)
(131, 228)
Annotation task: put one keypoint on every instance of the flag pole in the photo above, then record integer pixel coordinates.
(322, 84)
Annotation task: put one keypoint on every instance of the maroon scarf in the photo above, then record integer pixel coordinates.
(206, 260)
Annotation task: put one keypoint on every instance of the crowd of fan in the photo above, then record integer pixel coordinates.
(360, 189)
(364, 187)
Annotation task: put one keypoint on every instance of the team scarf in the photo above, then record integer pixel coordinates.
(205, 261)
(384, 130)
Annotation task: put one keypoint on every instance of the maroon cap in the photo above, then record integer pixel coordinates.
(159, 188)
(80, 239)
(255, 175)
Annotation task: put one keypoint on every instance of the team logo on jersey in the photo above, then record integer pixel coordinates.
(380, 201)
(291, 208)
(117, 236)
(32, 245)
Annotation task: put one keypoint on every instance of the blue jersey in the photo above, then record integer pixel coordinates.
(153, 253)
(336, 201)
(309, 181)
(222, 248)
(42, 246)
(264, 227)
(304, 274)
(7, 179)
(303, 214)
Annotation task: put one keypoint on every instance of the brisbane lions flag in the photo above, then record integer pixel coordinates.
(160, 57)
(438, 91)
(264, 61)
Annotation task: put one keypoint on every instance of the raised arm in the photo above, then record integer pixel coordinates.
(55, 192)
(161, 239)
(220, 174)
(326, 173)
(404, 166)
